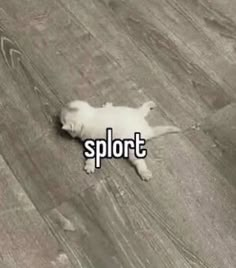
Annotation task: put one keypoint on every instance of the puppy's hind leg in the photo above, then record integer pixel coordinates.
(163, 130)
(141, 167)
(147, 107)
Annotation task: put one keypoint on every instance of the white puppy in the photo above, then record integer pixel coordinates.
(82, 120)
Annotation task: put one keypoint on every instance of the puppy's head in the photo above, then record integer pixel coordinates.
(73, 117)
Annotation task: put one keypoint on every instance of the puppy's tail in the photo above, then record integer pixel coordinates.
(163, 130)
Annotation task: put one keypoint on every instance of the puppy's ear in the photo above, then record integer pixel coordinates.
(73, 106)
(68, 127)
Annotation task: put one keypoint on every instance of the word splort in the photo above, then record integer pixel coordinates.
(114, 148)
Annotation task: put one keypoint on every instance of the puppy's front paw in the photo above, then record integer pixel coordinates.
(146, 175)
(89, 167)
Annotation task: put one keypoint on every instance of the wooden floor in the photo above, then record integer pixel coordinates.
(180, 54)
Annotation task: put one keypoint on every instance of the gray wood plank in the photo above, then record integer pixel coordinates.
(226, 8)
(196, 23)
(222, 126)
(215, 138)
(48, 167)
(25, 239)
(58, 45)
(106, 235)
(217, 21)
(147, 44)
(188, 45)
(124, 223)
(125, 52)
(106, 79)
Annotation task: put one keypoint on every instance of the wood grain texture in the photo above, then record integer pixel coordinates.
(136, 38)
(139, 229)
(221, 126)
(25, 239)
(180, 54)
(30, 143)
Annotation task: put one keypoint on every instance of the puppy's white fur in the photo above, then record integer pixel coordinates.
(82, 120)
